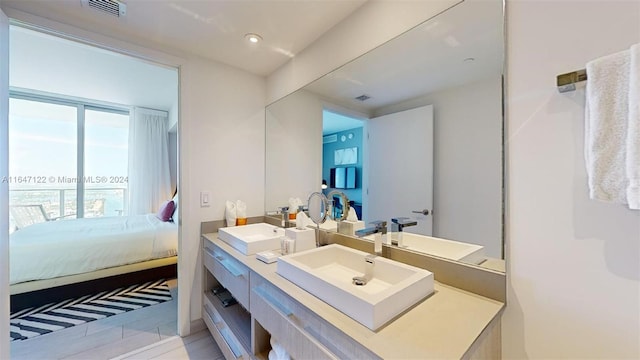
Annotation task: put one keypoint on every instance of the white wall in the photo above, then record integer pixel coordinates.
(572, 263)
(221, 139)
(173, 158)
(221, 150)
(373, 24)
(293, 149)
(174, 113)
(467, 175)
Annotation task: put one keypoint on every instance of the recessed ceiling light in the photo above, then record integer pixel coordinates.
(253, 38)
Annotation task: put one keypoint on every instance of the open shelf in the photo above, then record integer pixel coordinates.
(236, 318)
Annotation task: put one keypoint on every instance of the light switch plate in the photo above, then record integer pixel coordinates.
(205, 197)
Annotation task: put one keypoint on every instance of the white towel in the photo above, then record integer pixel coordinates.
(606, 116)
(277, 351)
(633, 130)
(230, 213)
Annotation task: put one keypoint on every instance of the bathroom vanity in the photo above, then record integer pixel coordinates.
(449, 324)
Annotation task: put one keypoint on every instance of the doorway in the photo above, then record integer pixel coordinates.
(342, 157)
(93, 95)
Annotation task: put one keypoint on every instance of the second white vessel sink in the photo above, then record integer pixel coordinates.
(253, 238)
(327, 273)
(448, 249)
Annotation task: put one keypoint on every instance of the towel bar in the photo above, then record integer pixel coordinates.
(567, 82)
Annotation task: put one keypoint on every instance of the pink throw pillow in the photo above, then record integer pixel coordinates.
(166, 210)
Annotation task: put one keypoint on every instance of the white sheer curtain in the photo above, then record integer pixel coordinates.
(149, 176)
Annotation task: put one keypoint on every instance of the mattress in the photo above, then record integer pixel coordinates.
(73, 246)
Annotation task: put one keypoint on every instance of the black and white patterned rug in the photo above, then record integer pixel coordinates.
(29, 323)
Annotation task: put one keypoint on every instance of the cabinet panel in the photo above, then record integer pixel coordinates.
(229, 272)
(303, 333)
(489, 343)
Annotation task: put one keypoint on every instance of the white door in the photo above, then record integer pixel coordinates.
(4, 186)
(400, 168)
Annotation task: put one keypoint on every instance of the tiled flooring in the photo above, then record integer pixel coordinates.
(122, 334)
(196, 346)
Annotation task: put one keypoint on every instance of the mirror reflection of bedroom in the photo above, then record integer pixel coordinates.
(342, 157)
(93, 198)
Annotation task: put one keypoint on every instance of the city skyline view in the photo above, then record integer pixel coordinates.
(44, 158)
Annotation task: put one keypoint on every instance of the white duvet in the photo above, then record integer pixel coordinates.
(66, 247)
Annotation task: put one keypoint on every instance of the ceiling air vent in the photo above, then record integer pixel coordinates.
(112, 7)
(363, 97)
(330, 139)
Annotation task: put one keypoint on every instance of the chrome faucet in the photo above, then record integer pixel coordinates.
(401, 223)
(379, 228)
(284, 222)
(369, 261)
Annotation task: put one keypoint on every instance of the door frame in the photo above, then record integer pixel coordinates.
(366, 200)
(36, 23)
(4, 187)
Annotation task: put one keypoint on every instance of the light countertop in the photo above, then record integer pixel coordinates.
(444, 325)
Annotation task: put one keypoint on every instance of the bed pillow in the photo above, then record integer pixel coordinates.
(166, 210)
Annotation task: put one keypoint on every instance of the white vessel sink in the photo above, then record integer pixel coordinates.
(253, 238)
(327, 273)
(448, 249)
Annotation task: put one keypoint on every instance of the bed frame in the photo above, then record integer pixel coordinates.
(40, 292)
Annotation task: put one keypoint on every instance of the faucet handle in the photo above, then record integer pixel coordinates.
(283, 209)
(380, 225)
(404, 221)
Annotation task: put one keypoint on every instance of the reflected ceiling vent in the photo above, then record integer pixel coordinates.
(330, 139)
(112, 7)
(363, 97)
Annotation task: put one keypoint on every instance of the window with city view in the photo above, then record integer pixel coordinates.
(66, 160)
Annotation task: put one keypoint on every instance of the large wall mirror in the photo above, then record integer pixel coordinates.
(413, 128)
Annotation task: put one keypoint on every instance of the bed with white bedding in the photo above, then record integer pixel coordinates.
(77, 248)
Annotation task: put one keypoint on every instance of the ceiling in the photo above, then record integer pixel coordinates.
(333, 122)
(424, 60)
(54, 65)
(212, 29)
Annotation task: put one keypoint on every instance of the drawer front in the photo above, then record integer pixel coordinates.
(225, 339)
(304, 334)
(232, 274)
